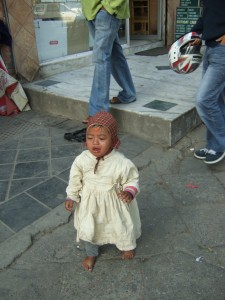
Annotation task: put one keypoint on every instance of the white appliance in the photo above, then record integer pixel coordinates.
(51, 38)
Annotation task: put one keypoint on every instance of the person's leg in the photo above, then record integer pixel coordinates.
(92, 254)
(211, 141)
(121, 73)
(201, 153)
(105, 31)
(209, 104)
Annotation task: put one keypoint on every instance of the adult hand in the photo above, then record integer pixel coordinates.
(196, 42)
(221, 40)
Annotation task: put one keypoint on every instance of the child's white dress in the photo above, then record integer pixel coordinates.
(100, 216)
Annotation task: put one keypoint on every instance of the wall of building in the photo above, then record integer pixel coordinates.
(171, 19)
(21, 26)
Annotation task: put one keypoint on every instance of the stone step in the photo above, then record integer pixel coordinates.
(163, 113)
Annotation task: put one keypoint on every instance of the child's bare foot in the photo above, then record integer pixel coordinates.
(128, 254)
(89, 263)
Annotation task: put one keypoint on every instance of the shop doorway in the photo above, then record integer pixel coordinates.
(145, 19)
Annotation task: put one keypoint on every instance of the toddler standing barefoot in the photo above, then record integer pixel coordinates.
(104, 183)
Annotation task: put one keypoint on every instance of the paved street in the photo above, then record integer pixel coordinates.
(180, 254)
(35, 161)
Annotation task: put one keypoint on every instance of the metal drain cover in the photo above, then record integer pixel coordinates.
(160, 105)
(46, 83)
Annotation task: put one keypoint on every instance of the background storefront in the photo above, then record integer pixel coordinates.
(61, 28)
(44, 32)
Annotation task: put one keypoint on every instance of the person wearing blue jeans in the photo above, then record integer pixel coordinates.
(211, 94)
(104, 20)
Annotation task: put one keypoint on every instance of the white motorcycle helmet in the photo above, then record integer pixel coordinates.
(184, 58)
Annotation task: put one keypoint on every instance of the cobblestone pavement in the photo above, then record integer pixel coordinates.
(35, 160)
(180, 255)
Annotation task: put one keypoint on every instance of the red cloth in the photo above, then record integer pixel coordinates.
(7, 86)
(7, 106)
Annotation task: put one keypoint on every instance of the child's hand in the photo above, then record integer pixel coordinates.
(125, 196)
(69, 205)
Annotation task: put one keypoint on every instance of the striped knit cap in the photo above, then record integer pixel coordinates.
(105, 119)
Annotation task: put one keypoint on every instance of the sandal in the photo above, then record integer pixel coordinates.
(116, 100)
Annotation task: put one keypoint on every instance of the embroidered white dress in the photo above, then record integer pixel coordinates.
(100, 216)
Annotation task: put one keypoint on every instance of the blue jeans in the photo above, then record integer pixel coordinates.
(211, 95)
(108, 58)
(91, 249)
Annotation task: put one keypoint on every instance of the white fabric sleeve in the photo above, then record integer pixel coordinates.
(130, 178)
(75, 181)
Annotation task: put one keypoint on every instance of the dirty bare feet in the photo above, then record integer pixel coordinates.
(128, 254)
(89, 262)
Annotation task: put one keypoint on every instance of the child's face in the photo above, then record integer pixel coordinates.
(98, 141)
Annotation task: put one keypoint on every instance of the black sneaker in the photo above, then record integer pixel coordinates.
(213, 157)
(201, 153)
